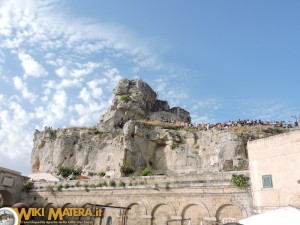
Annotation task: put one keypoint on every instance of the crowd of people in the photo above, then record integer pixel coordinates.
(233, 124)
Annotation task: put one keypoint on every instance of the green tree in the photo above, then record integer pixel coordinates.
(127, 170)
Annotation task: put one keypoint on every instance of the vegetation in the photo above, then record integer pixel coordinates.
(240, 180)
(92, 174)
(167, 186)
(86, 187)
(125, 98)
(101, 174)
(145, 172)
(122, 184)
(65, 172)
(174, 145)
(112, 183)
(93, 185)
(27, 185)
(255, 132)
(127, 170)
(66, 186)
(59, 187)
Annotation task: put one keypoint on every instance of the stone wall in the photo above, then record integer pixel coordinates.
(276, 158)
(11, 186)
(157, 200)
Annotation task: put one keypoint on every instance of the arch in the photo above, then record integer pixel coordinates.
(144, 209)
(47, 207)
(86, 205)
(229, 210)
(69, 218)
(109, 220)
(86, 218)
(7, 198)
(195, 212)
(33, 205)
(111, 212)
(161, 213)
(67, 205)
(135, 214)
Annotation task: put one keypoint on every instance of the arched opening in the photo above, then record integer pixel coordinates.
(47, 208)
(135, 214)
(195, 212)
(69, 218)
(229, 213)
(6, 198)
(90, 219)
(111, 215)
(161, 214)
(109, 220)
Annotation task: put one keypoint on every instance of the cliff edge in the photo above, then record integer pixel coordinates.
(140, 131)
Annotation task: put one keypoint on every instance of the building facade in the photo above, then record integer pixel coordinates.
(274, 164)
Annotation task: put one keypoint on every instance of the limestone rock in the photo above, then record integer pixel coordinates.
(79, 147)
(135, 100)
(137, 142)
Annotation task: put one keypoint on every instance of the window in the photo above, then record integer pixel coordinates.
(267, 181)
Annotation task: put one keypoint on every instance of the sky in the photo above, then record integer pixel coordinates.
(220, 60)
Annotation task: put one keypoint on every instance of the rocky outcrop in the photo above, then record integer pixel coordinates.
(140, 142)
(179, 152)
(78, 147)
(135, 100)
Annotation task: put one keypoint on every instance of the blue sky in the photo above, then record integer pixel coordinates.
(220, 60)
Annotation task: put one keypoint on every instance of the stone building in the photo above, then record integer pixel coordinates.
(274, 164)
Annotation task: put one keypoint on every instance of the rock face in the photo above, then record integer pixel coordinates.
(138, 142)
(135, 100)
(179, 152)
(78, 147)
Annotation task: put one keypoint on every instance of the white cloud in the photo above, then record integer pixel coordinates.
(84, 69)
(58, 104)
(202, 119)
(88, 112)
(66, 83)
(21, 86)
(30, 66)
(113, 75)
(85, 95)
(55, 110)
(62, 71)
(95, 88)
(207, 104)
(15, 135)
